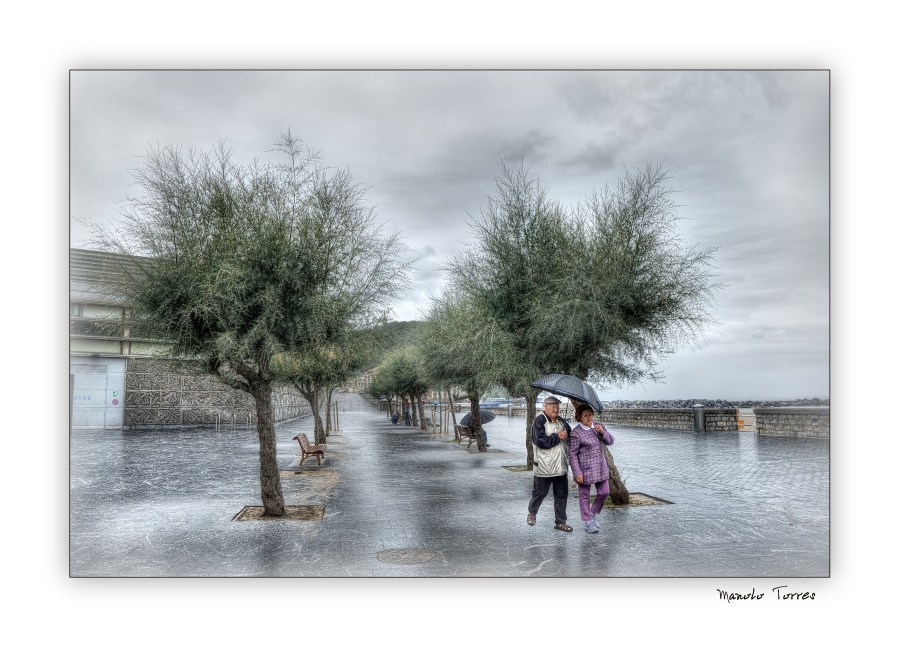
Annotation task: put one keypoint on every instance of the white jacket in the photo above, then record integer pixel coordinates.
(551, 454)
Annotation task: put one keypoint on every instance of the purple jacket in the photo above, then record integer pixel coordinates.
(586, 455)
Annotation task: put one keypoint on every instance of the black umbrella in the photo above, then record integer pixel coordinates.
(571, 387)
(486, 416)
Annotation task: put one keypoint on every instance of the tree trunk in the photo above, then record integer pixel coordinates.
(311, 393)
(415, 411)
(617, 492)
(317, 418)
(530, 415)
(269, 475)
(452, 411)
(422, 424)
(476, 421)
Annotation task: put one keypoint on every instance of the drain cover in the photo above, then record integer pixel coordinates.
(408, 556)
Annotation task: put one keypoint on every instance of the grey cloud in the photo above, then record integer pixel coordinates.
(775, 89)
(598, 156)
(748, 153)
(529, 147)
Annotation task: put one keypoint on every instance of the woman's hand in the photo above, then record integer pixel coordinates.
(579, 479)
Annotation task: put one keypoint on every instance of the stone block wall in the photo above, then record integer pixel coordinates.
(794, 421)
(721, 419)
(659, 418)
(773, 421)
(162, 393)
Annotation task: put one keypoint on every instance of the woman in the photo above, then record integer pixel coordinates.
(588, 460)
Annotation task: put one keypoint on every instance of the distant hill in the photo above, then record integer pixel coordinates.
(396, 334)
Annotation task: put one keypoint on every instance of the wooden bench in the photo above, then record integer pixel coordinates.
(308, 450)
(463, 432)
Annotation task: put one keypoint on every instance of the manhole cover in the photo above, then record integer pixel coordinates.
(408, 556)
(291, 513)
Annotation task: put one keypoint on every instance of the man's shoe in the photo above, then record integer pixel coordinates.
(531, 519)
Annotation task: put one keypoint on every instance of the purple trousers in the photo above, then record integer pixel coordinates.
(584, 498)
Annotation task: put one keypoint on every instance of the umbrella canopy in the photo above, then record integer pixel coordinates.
(571, 387)
(486, 416)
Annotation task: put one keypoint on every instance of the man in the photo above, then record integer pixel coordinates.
(551, 463)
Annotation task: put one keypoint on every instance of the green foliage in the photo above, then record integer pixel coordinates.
(462, 347)
(402, 371)
(633, 292)
(605, 289)
(246, 261)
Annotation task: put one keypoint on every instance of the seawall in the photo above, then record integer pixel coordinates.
(809, 422)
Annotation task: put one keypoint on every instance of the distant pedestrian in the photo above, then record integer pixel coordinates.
(551, 465)
(587, 456)
(407, 413)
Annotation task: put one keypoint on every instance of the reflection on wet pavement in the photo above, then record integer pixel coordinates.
(162, 503)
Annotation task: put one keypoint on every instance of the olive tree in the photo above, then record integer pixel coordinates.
(602, 290)
(402, 373)
(247, 261)
(510, 277)
(316, 370)
(462, 347)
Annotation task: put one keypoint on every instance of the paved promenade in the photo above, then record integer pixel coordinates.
(161, 503)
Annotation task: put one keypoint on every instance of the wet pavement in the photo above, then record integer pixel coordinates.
(162, 503)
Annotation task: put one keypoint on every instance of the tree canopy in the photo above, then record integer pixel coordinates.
(247, 261)
(605, 288)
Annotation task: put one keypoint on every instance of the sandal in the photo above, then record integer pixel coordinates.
(531, 519)
(563, 527)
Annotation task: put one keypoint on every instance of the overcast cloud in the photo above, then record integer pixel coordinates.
(748, 153)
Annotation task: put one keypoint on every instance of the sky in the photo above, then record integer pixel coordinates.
(747, 154)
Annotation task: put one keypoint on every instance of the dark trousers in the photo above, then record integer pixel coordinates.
(560, 494)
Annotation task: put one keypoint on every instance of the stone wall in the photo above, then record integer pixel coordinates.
(773, 421)
(163, 393)
(658, 418)
(794, 421)
(721, 419)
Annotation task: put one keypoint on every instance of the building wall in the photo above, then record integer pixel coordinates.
(97, 395)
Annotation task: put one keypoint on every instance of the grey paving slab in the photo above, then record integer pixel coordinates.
(161, 503)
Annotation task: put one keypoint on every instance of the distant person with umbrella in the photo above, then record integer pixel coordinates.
(588, 460)
(551, 464)
(486, 417)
